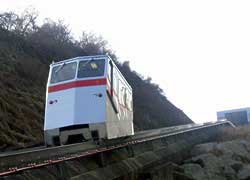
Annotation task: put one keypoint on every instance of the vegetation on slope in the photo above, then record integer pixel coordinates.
(237, 133)
(26, 50)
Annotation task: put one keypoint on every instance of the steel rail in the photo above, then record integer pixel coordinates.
(90, 152)
(137, 135)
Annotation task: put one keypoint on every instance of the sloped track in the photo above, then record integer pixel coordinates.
(15, 162)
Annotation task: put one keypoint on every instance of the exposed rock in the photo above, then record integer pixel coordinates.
(237, 148)
(202, 149)
(237, 166)
(244, 174)
(247, 145)
(211, 165)
(194, 171)
(231, 163)
(207, 161)
(230, 173)
(227, 160)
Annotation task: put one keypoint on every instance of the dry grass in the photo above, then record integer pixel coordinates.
(240, 132)
(21, 110)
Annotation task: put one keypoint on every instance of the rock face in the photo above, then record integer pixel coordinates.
(219, 161)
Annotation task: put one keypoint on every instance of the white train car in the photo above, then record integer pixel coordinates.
(87, 98)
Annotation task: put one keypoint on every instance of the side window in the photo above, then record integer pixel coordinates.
(121, 92)
(117, 87)
(128, 99)
(116, 82)
(109, 72)
(130, 103)
(125, 97)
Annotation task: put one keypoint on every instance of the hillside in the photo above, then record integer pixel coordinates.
(26, 50)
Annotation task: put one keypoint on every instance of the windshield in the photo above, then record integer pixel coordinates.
(91, 68)
(63, 72)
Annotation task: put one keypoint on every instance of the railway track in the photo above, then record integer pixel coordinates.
(18, 161)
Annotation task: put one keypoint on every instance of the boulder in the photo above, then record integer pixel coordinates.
(207, 161)
(195, 171)
(237, 148)
(244, 173)
(229, 173)
(203, 149)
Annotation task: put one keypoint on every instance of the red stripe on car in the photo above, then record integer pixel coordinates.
(75, 84)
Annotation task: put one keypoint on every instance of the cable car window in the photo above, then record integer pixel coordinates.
(130, 103)
(121, 93)
(63, 72)
(109, 72)
(117, 85)
(125, 97)
(91, 68)
(115, 88)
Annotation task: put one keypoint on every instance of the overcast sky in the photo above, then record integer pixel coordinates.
(197, 51)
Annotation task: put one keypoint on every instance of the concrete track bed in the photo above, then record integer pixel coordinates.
(147, 160)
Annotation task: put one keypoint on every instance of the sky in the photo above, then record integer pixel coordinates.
(197, 51)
